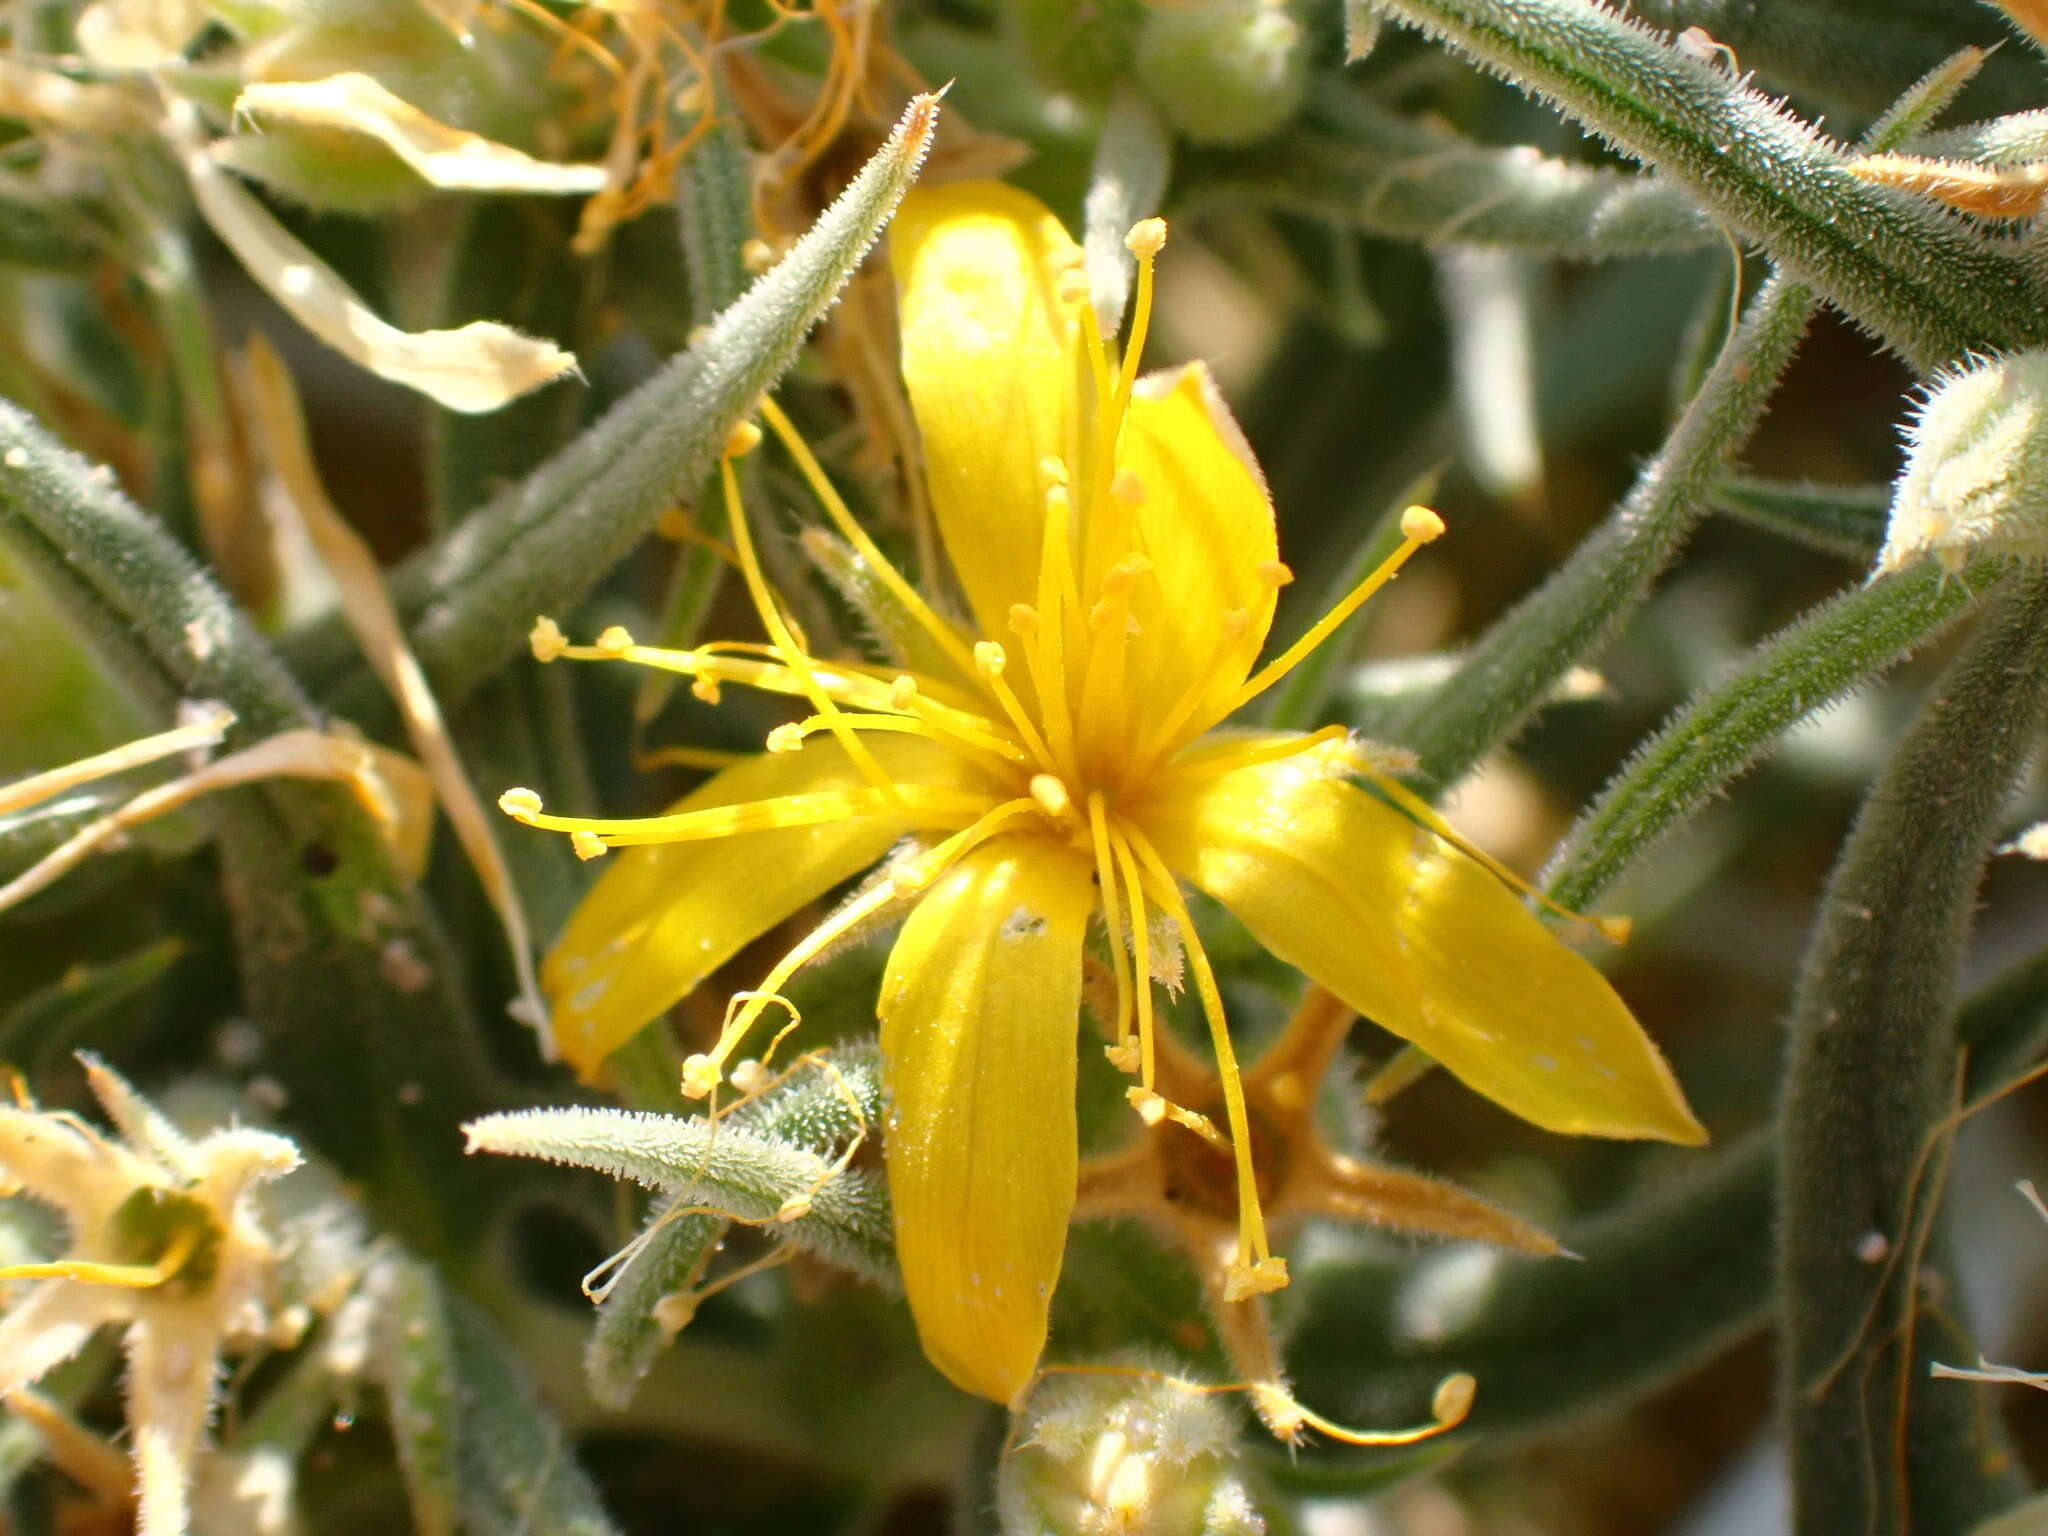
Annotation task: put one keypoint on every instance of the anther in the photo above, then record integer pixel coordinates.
(1275, 573)
(1146, 239)
(1244, 1281)
(1056, 498)
(700, 1076)
(547, 640)
(1053, 469)
(989, 657)
(588, 845)
(1128, 488)
(1125, 1056)
(750, 1076)
(742, 440)
(1072, 286)
(1421, 525)
(786, 738)
(674, 524)
(1615, 929)
(757, 255)
(1023, 620)
(1150, 1106)
(614, 641)
(902, 692)
(520, 805)
(1050, 792)
(1119, 577)
(705, 687)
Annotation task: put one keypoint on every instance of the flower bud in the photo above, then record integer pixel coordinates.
(1079, 46)
(1133, 1451)
(1224, 71)
(1976, 456)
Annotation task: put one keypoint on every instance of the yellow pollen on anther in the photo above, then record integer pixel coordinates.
(1128, 487)
(519, 804)
(1023, 620)
(705, 688)
(989, 656)
(1053, 469)
(1050, 791)
(615, 640)
(588, 845)
(902, 691)
(786, 738)
(547, 640)
(1421, 525)
(700, 1076)
(742, 440)
(1146, 239)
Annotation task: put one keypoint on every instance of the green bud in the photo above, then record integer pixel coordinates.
(1079, 46)
(1976, 455)
(1144, 1453)
(1224, 71)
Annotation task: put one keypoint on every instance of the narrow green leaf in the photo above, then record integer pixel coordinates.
(628, 1337)
(1872, 1071)
(471, 596)
(518, 1472)
(55, 1018)
(416, 1362)
(1926, 282)
(1566, 621)
(1845, 520)
(1717, 736)
(1407, 180)
(714, 211)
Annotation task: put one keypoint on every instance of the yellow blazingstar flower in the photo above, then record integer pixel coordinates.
(1116, 546)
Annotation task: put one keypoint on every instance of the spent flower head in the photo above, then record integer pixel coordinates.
(1053, 759)
(168, 1242)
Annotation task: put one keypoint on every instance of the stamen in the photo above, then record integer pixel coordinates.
(1153, 1108)
(1419, 526)
(947, 637)
(132, 1277)
(1229, 756)
(989, 661)
(547, 640)
(1046, 657)
(1141, 958)
(778, 630)
(1050, 795)
(802, 810)
(1287, 1416)
(1124, 1053)
(1256, 1269)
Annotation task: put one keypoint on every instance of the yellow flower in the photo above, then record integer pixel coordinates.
(1055, 759)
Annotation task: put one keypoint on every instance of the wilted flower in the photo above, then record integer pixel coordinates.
(167, 1241)
(1116, 535)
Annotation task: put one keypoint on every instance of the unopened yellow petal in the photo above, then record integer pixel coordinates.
(662, 917)
(979, 1008)
(1424, 941)
(1203, 520)
(992, 359)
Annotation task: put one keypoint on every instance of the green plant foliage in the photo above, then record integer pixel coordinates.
(1723, 647)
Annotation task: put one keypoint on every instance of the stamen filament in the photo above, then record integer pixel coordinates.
(945, 634)
(1229, 756)
(131, 1277)
(930, 729)
(778, 631)
(1112, 915)
(1419, 526)
(1257, 1269)
(1141, 957)
(702, 1073)
(810, 809)
(1045, 650)
(989, 661)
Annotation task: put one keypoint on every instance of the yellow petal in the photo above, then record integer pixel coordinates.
(979, 1008)
(662, 917)
(1206, 525)
(1425, 942)
(992, 359)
